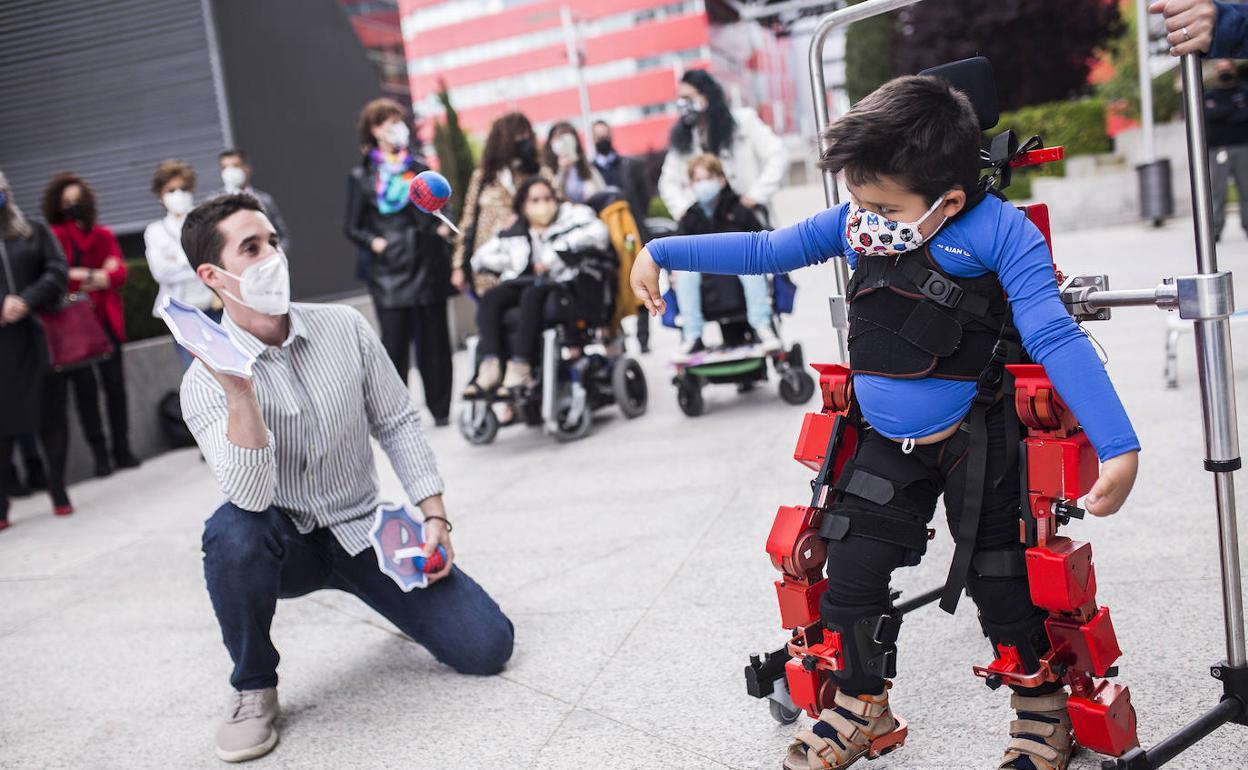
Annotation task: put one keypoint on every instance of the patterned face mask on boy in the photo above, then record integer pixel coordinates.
(870, 233)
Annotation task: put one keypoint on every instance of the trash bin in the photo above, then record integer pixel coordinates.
(1156, 197)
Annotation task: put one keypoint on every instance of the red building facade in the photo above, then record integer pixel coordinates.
(502, 55)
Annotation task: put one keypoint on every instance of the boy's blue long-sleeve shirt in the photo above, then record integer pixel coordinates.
(992, 237)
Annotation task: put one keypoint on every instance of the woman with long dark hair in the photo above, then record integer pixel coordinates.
(95, 267)
(510, 157)
(32, 397)
(753, 157)
(410, 270)
(564, 159)
(549, 244)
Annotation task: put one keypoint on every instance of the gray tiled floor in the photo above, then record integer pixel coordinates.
(632, 564)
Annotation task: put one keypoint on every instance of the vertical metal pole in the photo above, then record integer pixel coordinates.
(574, 61)
(218, 74)
(819, 90)
(1146, 80)
(1216, 368)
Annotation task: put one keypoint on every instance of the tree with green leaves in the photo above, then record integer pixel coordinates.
(868, 54)
(454, 151)
(1124, 87)
(1041, 50)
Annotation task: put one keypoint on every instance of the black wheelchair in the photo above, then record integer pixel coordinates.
(583, 368)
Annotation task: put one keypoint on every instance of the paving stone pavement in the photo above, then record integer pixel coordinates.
(632, 564)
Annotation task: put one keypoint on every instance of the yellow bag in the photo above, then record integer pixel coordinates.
(626, 240)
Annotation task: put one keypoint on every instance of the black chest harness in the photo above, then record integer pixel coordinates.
(910, 319)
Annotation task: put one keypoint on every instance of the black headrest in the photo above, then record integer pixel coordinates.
(973, 77)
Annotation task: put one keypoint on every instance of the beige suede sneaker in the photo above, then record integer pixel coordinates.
(248, 730)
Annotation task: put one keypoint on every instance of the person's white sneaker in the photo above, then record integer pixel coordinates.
(768, 340)
(248, 730)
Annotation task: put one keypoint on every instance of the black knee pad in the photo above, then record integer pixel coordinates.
(868, 640)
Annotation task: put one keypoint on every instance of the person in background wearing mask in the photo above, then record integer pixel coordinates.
(410, 270)
(301, 493)
(629, 177)
(509, 158)
(95, 267)
(236, 177)
(719, 210)
(543, 249)
(32, 397)
(1226, 115)
(575, 178)
(173, 184)
(754, 159)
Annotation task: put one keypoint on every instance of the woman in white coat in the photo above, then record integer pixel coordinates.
(753, 157)
(546, 247)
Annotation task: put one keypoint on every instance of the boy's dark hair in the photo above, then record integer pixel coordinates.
(52, 199)
(201, 238)
(233, 152)
(522, 193)
(917, 130)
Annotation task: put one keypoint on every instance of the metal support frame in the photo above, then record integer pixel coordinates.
(1206, 299)
(819, 90)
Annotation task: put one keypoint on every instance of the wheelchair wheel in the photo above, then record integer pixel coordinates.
(479, 427)
(795, 359)
(565, 430)
(628, 385)
(783, 714)
(689, 396)
(796, 387)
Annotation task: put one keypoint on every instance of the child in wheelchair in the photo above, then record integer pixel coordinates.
(719, 210)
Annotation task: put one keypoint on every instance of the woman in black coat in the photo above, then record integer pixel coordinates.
(33, 276)
(409, 264)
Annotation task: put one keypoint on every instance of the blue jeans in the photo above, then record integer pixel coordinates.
(689, 297)
(253, 559)
(183, 353)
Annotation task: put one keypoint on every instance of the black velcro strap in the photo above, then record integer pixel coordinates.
(931, 330)
(1004, 563)
(972, 504)
(866, 485)
(877, 526)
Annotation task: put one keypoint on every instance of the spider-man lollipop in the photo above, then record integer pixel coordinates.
(429, 192)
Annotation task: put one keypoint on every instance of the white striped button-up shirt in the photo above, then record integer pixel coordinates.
(322, 392)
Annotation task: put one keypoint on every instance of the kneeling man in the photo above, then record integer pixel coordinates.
(290, 449)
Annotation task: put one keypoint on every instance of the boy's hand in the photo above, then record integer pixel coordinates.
(645, 283)
(1112, 488)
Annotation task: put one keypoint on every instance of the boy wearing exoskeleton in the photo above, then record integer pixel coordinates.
(947, 281)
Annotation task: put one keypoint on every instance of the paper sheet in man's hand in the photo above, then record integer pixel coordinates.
(205, 338)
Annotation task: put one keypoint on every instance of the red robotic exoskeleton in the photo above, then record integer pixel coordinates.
(1058, 466)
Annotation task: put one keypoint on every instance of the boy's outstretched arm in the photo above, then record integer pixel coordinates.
(809, 242)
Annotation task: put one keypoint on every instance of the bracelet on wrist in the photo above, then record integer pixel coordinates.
(444, 520)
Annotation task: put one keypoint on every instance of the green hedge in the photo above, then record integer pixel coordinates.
(138, 295)
(1078, 126)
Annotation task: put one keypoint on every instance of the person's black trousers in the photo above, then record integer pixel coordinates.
(53, 436)
(426, 327)
(112, 376)
(861, 558)
(530, 295)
